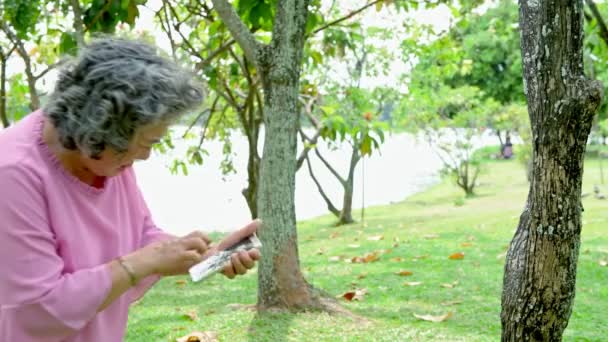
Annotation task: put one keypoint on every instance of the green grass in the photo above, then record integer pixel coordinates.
(486, 222)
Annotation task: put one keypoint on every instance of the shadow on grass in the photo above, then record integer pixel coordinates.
(270, 327)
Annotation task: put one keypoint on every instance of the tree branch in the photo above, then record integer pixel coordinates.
(239, 31)
(104, 9)
(599, 19)
(330, 168)
(346, 17)
(31, 80)
(78, 24)
(330, 205)
(214, 54)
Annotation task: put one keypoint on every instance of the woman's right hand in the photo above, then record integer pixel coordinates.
(170, 257)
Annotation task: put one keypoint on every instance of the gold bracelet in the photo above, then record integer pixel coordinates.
(128, 269)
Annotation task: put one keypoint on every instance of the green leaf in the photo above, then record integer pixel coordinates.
(132, 13)
(68, 44)
(366, 146)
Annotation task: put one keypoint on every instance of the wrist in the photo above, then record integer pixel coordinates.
(136, 267)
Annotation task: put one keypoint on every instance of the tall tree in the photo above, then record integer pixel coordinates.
(281, 283)
(540, 271)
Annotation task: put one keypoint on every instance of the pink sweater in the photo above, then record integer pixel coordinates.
(56, 235)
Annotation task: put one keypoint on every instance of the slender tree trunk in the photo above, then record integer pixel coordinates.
(253, 170)
(3, 116)
(281, 283)
(346, 215)
(78, 23)
(540, 271)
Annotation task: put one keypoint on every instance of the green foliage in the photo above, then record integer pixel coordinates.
(18, 98)
(22, 15)
(353, 117)
(105, 15)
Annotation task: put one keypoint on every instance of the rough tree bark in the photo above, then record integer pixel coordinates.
(281, 283)
(540, 271)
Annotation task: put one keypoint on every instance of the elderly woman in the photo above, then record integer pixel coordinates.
(77, 241)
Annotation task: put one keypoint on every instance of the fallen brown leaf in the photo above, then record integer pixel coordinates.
(353, 295)
(435, 319)
(199, 336)
(412, 283)
(452, 302)
(457, 256)
(397, 259)
(395, 245)
(404, 273)
(180, 282)
(334, 235)
(466, 244)
(362, 275)
(192, 315)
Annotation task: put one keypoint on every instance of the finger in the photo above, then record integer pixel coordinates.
(195, 243)
(229, 270)
(200, 235)
(237, 265)
(192, 257)
(240, 234)
(255, 254)
(245, 259)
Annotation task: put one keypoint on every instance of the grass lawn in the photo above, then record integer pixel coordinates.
(417, 235)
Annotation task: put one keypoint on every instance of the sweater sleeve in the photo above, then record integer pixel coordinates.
(37, 299)
(150, 234)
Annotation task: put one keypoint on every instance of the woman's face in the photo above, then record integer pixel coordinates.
(111, 163)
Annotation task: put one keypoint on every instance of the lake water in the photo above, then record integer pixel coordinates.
(208, 201)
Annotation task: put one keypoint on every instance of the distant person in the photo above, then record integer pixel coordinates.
(507, 149)
(77, 242)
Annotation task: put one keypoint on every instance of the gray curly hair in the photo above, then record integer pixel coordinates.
(114, 87)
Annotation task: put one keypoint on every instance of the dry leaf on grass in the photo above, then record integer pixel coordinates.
(452, 302)
(397, 259)
(435, 319)
(362, 276)
(376, 238)
(603, 263)
(420, 257)
(180, 282)
(404, 273)
(192, 315)
(335, 258)
(353, 295)
(369, 257)
(450, 285)
(466, 244)
(334, 235)
(457, 256)
(412, 283)
(199, 336)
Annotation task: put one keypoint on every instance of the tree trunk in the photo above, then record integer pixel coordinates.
(3, 116)
(253, 170)
(540, 271)
(346, 215)
(281, 283)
